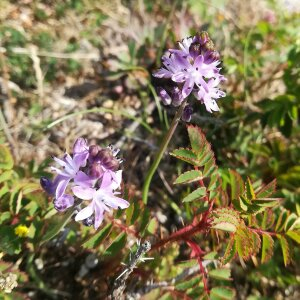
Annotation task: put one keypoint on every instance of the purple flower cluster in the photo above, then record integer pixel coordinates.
(192, 68)
(91, 173)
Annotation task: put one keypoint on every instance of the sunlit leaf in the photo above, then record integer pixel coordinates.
(222, 273)
(229, 252)
(6, 159)
(221, 293)
(98, 237)
(285, 249)
(268, 190)
(295, 235)
(189, 176)
(195, 195)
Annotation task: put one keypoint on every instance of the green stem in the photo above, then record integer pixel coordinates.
(161, 151)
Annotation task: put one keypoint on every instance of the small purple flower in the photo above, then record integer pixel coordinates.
(90, 173)
(209, 97)
(193, 68)
(102, 199)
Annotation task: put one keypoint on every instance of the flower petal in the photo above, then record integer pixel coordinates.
(80, 146)
(162, 73)
(179, 77)
(188, 87)
(99, 215)
(84, 193)
(84, 213)
(82, 179)
(63, 202)
(116, 202)
(61, 187)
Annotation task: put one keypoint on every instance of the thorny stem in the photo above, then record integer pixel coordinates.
(161, 151)
(199, 252)
(185, 232)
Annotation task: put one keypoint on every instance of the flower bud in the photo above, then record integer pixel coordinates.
(47, 185)
(211, 56)
(177, 97)
(165, 97)
(208, 46)
(107, 159)
(96, 170)
(202, 37)
(187, 113)
(93, 150)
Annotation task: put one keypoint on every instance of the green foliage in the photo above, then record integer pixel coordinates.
(201, 156)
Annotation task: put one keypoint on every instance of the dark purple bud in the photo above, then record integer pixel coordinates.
(177, 97)
(93, 150)
(108, 160)
(187, 113)
(165, 97)
(195, 50)
(211, 56)
(96, 170)
(47, 185)
(208, 46)
(88, 221)
(202, 37)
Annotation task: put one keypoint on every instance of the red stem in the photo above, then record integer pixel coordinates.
(198, 252)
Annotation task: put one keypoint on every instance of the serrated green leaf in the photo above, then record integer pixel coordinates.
(265, 202)
(267, 190)
(249, 190)
(225, 226)
(229, 252)
(187, 284)
(285, 249)
(222, 274)
(205, 158)
(188, 177)
(236, 184)
(116, 246)
(214, 182)
(97, 238)
(244, 242)
(195, 195)
(6, 159)
(197, 139)
(209, 167)
(186, 155)
(291, 222)
(295, 235)
(222, 293)
(281, 221)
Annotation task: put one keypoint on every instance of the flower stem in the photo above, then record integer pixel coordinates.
(161, 151)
